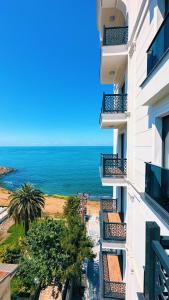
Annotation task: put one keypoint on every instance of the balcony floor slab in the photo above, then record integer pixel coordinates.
(115, 245)
(113, 120)
(114, 181)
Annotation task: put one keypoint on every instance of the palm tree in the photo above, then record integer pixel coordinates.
(26, 204)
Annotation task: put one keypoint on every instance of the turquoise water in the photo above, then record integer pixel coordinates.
(55, 170)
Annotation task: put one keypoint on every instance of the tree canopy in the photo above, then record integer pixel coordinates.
(44, 253)
(77, 245)
(26, 204)
(54, 250)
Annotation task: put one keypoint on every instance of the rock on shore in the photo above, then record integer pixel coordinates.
(5, 170)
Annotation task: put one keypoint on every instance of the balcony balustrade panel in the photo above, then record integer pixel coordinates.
(114, 231)
(112, 166)
(114, 103)
(109, 205)
(115, 36)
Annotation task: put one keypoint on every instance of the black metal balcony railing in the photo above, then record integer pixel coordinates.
(115, 36)
(110, 289)
(114, 231)
(159, 45)
(114, 289)
(108, 205)
(157, 184)
(156, 275)
(114, 103)
(112, 166)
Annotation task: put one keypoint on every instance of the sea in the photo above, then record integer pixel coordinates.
(55, 170)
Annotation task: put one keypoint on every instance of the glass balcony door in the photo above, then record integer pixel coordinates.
(165, 137)
(159, 46)
(122, 145)
(166, 7)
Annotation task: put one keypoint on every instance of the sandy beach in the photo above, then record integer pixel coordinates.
(53, 205)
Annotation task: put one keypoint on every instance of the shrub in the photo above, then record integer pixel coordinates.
(10, 254)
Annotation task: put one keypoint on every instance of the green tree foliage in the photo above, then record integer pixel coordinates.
(26, 204)
(54, 250)
(10, 249)
(44, 252)
(10, 254)
(77, 245)
(23, 283)
(72, 208)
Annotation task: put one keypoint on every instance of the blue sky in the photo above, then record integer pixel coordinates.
(50, 92)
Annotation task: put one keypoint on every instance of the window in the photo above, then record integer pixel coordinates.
(159, 46)
(165, 139)
(151, 9)
(166, 7)
(122, 145)
(123, 88)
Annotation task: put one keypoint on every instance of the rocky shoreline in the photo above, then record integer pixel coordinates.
(5, 170)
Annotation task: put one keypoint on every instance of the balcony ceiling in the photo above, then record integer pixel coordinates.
(112, 13)
(119, 4)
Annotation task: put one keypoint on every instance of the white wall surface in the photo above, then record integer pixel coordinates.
(144, 143)
(142, 134)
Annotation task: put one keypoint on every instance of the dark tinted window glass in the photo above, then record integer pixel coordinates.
(166, 6)
(159, 46)
(165, 136)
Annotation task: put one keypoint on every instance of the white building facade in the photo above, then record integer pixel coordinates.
(134, 223)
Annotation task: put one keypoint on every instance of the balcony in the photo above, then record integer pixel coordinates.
(112, 228)
(114, 111)
(111, 271)
(115, 36)
(108, 205)
(159, 46)
(157, 185)
(156, 275)
(156, 86)
(108, 8)
(114, 55)
(113, 170)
